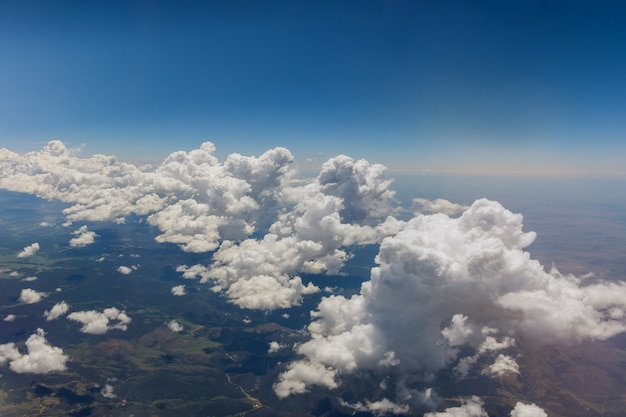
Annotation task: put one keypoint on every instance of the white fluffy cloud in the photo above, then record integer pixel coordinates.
(9, 317)
(470, 407)
(30, 296)
(469, 276)
(56, 311)
(274, 347)
(122, 269)
(29, 251)
(96, 322)
(528, 410)
(179, 290)
(40, 359)
(343, 206)
(84, 237)
(108, 391)
(174, 326)
(380, 408)
(202, 204)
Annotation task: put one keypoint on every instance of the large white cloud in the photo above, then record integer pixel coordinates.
(194, 183)
(528, 410)
(470, 407)
(84, 237)
(30, 296)
(179, 290)
(175, 326)
(99, 322)
(29, 251)
(202, 205)
(56, 311)
(345, 205)
(469, 276)
(40, 359)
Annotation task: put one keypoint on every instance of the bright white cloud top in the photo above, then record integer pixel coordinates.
(30, 296)
(84, 237)
(58, 310)
(175, 326)
(178, 290)
(451, 279)
(96, 322)
(29, 251)
(41, 358)
(125, 270)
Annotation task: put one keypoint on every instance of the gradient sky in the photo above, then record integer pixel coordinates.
(449, 85)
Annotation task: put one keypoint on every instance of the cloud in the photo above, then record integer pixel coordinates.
(56, 311)
(452, 289)
(124, 270)
(179, 290)
(470, 407)
(29, 279)
(108, 391)
(342, 207)
(503, 364)
(380, 408)
(30, 296)
(85, 237)
(9, 317)
(174, 326)
(202, 205)
(40, 359)
(445, 282)
(438, 205)
(96, 322)
(29, 251)
(527, 410)
(274, 347)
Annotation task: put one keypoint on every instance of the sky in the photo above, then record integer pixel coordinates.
(455, 86)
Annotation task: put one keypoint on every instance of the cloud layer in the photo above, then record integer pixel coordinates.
(453, 287)
(30, 296)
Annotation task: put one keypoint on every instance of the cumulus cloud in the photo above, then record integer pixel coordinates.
(29, 251)
(274, 347)
(30, 296)
(445, 282)
(348, 203)
(29, 279)
(99, 322)
(84, 237)
(179, 290)
(41, 357)
(56, 311)
(9, 317)
(174, 326)
(470, 407)
(527, 410)
(380, 408)
(108, 391)
(203, 204)
(503, 364)
(124, 270)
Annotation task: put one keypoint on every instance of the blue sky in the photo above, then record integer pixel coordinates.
(417, 85)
